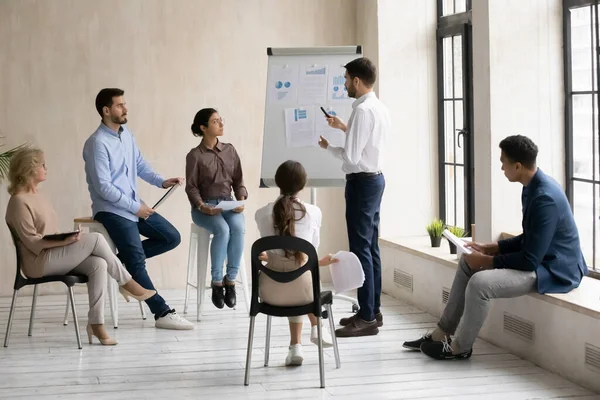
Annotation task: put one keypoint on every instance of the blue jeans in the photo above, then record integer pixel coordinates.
(363, 202)
(228, 240)
(133, 252)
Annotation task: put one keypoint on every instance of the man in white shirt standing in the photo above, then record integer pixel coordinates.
(362, 158)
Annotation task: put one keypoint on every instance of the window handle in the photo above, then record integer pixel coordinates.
(461, 132)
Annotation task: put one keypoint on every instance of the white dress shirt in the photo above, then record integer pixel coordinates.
(307, 228)
(366, 132)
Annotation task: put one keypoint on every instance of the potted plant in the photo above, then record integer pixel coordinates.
(5, 159)
(459, 233)
(435, 230)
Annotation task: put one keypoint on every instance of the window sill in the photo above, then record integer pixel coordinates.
(584, 300)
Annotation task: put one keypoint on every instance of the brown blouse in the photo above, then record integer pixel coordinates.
(31, 216)
(212, 173)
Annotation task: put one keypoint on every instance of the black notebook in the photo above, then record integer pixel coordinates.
(60, 236)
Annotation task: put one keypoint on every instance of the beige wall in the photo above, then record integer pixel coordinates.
(172, 58)
(408, 87)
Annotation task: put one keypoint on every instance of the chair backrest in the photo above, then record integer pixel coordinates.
(20, 280)
(290, 243)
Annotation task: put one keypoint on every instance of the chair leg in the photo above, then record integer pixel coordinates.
(75, 319)
(190, 267)
(10, 317)
(321, 366)
(142, 310)
(114, 293)
(245, 286)
(249, 351)
(202, 257)
(66, 320)
(32, 314)
(268, 341)
(336, 351)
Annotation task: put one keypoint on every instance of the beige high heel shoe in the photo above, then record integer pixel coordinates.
(145, 296)
(103, 342)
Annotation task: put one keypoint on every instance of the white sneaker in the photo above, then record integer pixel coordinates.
(294, 356)
(314, 336)
(174, 321)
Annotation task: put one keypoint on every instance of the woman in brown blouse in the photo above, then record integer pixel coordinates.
(30, 216)
(213, 170)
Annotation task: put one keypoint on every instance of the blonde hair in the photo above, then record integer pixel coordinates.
(23, 165)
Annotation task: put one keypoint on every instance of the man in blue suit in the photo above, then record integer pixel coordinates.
(545, 258)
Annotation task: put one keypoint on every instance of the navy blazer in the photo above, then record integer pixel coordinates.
(549, 244)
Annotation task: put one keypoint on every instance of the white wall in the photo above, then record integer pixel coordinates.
(407, 86)
(171, 58)
(518, 89)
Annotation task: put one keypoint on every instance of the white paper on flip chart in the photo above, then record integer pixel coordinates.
(313, 84)
(346, 274)
(283, 85)
(228, 205)
(460, 244)
(300, 127)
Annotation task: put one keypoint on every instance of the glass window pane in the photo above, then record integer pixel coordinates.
(448, 7)
(582, 59)
(449, 131)
(461, 6)
(460, 197)
(450, 216)
(458, 124)
(458, 66)
(583, 135)
(447, 59)
(583, 210)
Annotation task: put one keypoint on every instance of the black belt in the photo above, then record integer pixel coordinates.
(359, 175)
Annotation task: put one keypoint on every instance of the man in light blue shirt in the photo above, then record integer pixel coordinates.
(112, 164)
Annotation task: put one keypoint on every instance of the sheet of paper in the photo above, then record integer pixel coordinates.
(336, 90)
(460, 244)
(283, 84)
(313, 84)
(228, 205)
(335, 137)
(347, 274)
(300, 127)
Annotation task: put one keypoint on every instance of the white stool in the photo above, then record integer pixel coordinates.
(112, 286)
(199, 257)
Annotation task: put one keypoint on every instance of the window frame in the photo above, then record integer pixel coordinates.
(570, 178)
(451, 25)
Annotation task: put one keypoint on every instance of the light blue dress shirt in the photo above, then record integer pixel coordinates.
(112, 164)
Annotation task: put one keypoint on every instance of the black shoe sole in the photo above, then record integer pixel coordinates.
(411, 348)
(371, 332)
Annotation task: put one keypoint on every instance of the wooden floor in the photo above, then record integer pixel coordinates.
(150, 363)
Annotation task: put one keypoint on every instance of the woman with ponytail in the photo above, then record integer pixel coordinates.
(213, 170)
(289, 216)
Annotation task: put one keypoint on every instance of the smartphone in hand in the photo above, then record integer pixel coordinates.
(326, 114)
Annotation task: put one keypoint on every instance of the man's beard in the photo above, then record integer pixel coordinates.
(119, 120)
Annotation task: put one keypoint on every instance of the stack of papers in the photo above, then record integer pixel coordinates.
(228, 205)
(459, 243)
(346, 274)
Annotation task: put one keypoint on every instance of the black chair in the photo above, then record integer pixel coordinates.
(20, 281)
(320, 298)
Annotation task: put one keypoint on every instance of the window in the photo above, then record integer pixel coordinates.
(582, 119)
(455, 113)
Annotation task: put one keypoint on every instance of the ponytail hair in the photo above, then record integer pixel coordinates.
(290, 178)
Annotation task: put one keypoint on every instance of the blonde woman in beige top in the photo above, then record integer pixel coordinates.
(289, 216)
(32, 217)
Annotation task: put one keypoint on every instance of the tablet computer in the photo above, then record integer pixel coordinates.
(166, 196)
(60, 236)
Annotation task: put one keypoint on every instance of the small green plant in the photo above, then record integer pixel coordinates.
(457, 231)
(436, 228)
